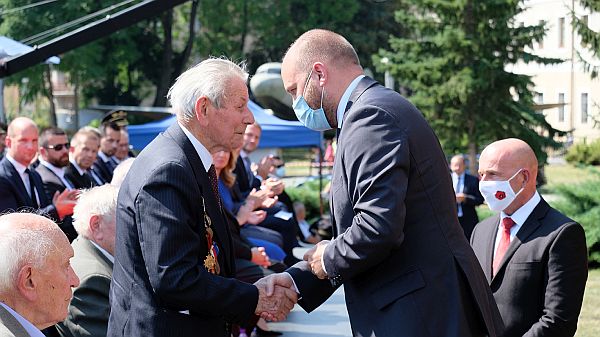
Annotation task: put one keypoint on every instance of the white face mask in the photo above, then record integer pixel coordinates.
(498, 194)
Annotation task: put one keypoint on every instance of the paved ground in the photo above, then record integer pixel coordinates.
(330, 319)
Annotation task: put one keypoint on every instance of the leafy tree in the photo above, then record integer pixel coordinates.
(454, 62)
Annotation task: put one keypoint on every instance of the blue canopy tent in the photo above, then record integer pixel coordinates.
(276, 132)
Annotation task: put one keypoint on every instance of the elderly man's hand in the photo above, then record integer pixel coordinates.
(276, 296)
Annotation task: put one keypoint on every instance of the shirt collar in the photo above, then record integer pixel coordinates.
(79, 169)
(18, 166)
(104, 252)
(344, 100)
(59, 171)
(104, 157)
(200, 149)
(30, 328)
(521, 215)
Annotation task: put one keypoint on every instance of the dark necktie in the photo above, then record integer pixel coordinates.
(214, 183)
(507, 224)
(32, 189)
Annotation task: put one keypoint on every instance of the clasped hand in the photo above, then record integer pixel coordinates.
(276, 296)
(314, 257)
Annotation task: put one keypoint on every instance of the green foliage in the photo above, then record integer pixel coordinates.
(586, 154)
(581, 202)
(453, 63)
(590, 39)
(309, 194)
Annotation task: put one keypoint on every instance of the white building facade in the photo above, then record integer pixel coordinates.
(570, 95)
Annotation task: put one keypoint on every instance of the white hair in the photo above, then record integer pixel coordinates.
(209, 78)
(120, 172)
(99, 200)
(21, 246)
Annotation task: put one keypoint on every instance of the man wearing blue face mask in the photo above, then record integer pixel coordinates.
(399, 250)
(534, 258)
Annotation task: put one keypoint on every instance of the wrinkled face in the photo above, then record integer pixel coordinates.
(110, 142)
(457, 165)
(123, 148)
(220, 159)
(23, 145)
(57, 151)
(55, 282)
(227, 124)
(84, 154)
(251, 138)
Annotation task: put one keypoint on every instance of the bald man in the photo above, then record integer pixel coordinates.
(35, 274)
(400, 252)
(466, 189)
(21, 186)
(534, 257)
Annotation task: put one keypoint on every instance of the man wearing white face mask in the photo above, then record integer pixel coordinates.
(534, 257)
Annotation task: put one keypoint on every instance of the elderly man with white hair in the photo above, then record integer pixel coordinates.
(94, 248)
(35, 274)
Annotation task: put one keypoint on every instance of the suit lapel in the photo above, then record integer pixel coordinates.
(531, 224)
(219, 226)
(490, 238)
(18, 182)
(11, 323)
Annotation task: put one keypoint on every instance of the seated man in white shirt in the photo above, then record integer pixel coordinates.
(93, 262)
(35, 274)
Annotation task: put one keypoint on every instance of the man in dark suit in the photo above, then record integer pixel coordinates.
(21, 186)
(534, 258)
(174, 261)
(109, 143)
(466, 189)
(95, 215)
(406, 266)
(83, 152)
(54, 157)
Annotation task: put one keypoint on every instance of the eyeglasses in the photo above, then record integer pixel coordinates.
(59, 147)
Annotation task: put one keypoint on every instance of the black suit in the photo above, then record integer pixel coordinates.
(103, 169)
(473, 198)
(53, 184)
(14, 195)
(406, 266)
(161, 246)
(80, 181)
(540, 282)
(243, 180)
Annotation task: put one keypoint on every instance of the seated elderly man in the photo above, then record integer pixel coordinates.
(35, 274)
(95, 220)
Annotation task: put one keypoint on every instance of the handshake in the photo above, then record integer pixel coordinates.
(276, 293)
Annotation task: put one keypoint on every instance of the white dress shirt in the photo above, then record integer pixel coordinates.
(458, 181)
(30, 328)
(519, 217)
(344, 100)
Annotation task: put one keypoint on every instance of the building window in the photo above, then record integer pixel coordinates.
(541, 41)
(561, 32)
(584, 108)
(561, 107)
(539, 100)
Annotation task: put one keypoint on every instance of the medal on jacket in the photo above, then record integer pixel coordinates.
(210, 262)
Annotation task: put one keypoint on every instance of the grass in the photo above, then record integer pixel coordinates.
(589, 320)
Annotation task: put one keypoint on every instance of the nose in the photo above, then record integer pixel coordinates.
(249, 117)
(74, 279)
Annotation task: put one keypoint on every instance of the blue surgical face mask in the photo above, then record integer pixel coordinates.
(311, 118)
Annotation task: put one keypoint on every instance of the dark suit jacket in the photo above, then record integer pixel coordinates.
(14, 196)
(79, 181)
(103, 169)
(242, 180)
(53, 184)
(474, 198)
(89, 308)
(161, 246)
(405, 263)
(539, 286)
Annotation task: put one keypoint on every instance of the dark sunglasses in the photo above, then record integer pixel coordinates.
(59, 147)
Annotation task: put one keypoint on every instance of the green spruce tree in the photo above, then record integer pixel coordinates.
(453, 64)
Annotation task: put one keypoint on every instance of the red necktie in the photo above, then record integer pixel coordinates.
(507, 224)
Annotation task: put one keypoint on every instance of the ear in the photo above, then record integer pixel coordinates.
(27, 282)
(201, 108)
(95, 227)
(42, 150)
(321, 73)
(7, 141)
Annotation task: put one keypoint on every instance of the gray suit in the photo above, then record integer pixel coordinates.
(400, 252)
(89, 308)
(540, 282)
(9, 326)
